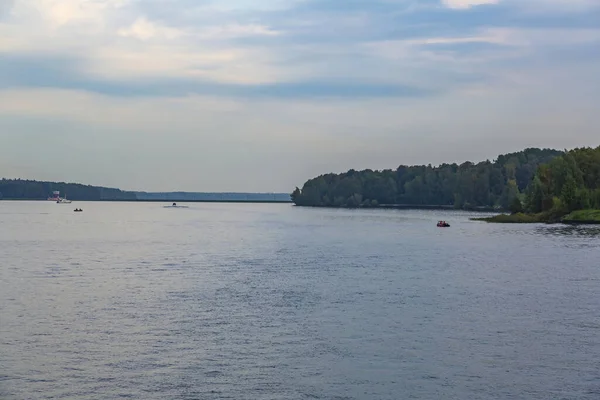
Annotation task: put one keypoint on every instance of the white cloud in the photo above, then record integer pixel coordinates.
(113, 39)
(231, 31)
(465, 4)
(59, 13)
(503, 94)
(143, 29)
(540, 7)
(233, 65)
(532, 38)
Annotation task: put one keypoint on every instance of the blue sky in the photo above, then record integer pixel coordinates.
(260, 95)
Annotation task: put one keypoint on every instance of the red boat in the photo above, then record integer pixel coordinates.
(55, 196)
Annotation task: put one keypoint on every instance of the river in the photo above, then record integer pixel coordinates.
(271, 301)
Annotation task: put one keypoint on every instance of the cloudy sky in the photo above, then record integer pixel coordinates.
(259, 95)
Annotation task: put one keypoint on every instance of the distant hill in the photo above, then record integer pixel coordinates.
(20, 189)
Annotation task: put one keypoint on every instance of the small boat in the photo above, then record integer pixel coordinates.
(174, 205)
(62, 200)
(443, 224)
(78, 210)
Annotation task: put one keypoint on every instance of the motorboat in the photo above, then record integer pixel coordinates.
(443, 224)
(174, 205)
(78, 210)
(63, 200)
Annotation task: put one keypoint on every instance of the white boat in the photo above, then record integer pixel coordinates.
(62, 200)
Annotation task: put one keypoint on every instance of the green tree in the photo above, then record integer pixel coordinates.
(568, 195)
(516, 206)
(483, 184)
(534, 196)
(296, 195)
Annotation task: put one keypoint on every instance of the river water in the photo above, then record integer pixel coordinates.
(271, 301)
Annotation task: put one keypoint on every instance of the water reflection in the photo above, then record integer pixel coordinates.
(569, 230)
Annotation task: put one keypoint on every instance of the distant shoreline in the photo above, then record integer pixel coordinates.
(409, 207)
(239, 201)
(578, 217)
(194, 201)
(31, 190)
(158, 201)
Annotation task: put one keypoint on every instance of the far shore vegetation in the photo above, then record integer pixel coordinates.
(531, 186)
(566, 190)
(576, 217)
(25, 189)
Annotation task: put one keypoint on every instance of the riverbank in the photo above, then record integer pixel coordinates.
(175, 200)
(576, 217)
(583, 217)
(408, 207)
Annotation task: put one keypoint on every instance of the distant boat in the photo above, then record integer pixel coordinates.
(62, 200)
(55, 196)
(174, 205)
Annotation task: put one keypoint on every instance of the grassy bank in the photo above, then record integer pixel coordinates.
(518, 218)
(576, 217)
(583, 217)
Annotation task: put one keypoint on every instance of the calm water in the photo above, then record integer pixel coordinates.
(223, 301)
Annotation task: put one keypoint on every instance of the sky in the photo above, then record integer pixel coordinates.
(260, 95)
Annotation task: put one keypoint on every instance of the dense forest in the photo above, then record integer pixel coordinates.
(565, 184)
(36, 190)
(488, 184)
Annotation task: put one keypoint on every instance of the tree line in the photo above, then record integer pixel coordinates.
(499, 184)
(21, 189)
(564, 184)
(37, 190)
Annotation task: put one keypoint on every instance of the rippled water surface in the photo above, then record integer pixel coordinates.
(225, 301)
